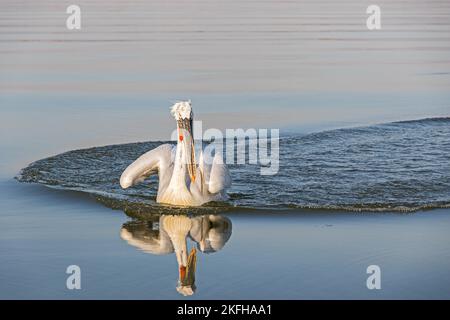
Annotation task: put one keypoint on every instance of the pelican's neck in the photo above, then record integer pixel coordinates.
(180, 247)
(179, 176)
(177, 228)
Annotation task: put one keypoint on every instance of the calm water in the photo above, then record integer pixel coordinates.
(306, 67)
(274, 255)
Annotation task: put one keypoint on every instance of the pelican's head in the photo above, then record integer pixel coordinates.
(182, 112)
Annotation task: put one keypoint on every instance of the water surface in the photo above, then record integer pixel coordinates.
(401, 166)
(306, 67)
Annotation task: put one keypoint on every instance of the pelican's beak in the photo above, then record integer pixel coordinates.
(186, 137)
(187, 273)
(182, 273)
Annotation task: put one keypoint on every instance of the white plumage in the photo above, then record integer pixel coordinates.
(209, 232)
(182, 110)
(182, 181)
(147, 240)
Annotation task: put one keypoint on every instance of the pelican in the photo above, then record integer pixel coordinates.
(209, 232)
(182, 181)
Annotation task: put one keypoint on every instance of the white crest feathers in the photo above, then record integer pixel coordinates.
(182, 110)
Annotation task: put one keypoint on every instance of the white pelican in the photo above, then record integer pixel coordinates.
(182, 181)
(172, 237)
(209, 232)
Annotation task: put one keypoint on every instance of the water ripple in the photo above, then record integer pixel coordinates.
(401, 166)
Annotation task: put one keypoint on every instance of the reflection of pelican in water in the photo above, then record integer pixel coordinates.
(209, 232)
(182, 180)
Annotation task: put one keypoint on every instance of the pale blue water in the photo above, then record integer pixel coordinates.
(302, 66)
(272, 256)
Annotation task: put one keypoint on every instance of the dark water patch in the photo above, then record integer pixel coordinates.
(401, 166)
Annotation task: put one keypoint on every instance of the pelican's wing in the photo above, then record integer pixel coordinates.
(219, 176)
(147, 164)
(210, 232)
(148, 244)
